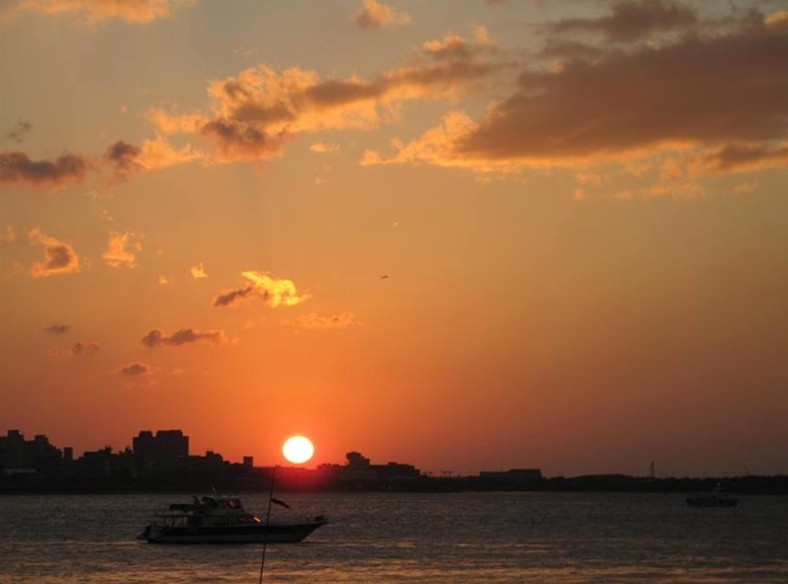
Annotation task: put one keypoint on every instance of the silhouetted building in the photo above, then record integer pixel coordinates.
(355, 460)
(20, 455)
(161, 452)
(359, 473)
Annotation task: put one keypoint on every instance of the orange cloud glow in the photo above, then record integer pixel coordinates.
(97, 11)
(155, 154)
(59, 257)
(117, 255)
(274, 292)
(255, 113)
(744, 157)
(198, 271)
(374, 14)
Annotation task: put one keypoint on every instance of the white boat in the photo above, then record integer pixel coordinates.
(219, 519)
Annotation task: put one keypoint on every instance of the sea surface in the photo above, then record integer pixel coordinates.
(426, 538)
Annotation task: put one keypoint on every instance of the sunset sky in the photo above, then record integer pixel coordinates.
(466, 235)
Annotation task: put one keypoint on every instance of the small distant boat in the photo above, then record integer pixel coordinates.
(715, 498)
(219, 519)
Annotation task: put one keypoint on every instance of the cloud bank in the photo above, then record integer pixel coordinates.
(253, 115)
(723, 92)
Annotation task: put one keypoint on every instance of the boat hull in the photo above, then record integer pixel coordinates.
(230, 534)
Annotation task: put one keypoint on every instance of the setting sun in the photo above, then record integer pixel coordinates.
(298, 449)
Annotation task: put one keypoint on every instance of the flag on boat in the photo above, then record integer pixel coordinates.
(279, 502)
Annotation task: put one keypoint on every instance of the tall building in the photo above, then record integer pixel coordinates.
(163, 451)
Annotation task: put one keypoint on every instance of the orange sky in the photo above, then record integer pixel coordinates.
(464, 235)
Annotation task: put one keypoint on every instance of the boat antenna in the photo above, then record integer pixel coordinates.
(267, 523)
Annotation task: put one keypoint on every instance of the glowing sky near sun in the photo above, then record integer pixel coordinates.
(463, 235)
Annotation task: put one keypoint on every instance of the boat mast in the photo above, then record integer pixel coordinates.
(267, 523)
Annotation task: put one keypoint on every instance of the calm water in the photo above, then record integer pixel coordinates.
(386, 538)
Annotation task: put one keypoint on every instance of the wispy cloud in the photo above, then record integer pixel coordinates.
(198, 271)
(374, 14)
(21, 129)
(272, 291)
(98, 11)
(59, 257)
(58, 329)
(745, 157)
(128, 159)
(632, 20)
(314, 321)
(9, 236)
(324, 147)
(87, 349)
(157, 338)
(117, 255)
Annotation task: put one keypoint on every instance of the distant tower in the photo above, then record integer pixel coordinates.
(652, 469)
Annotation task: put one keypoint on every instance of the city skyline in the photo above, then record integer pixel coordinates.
(476, 235)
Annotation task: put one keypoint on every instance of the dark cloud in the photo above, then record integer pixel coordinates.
(745, 157)
(231, 297)
(124, 157)
(59, 256)
(243, 141)
(157, 338)
(447, 75)
(58, 329)
(633, 20)
(16, 167)
(134, 369)
(695, 92)
(338, 92)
